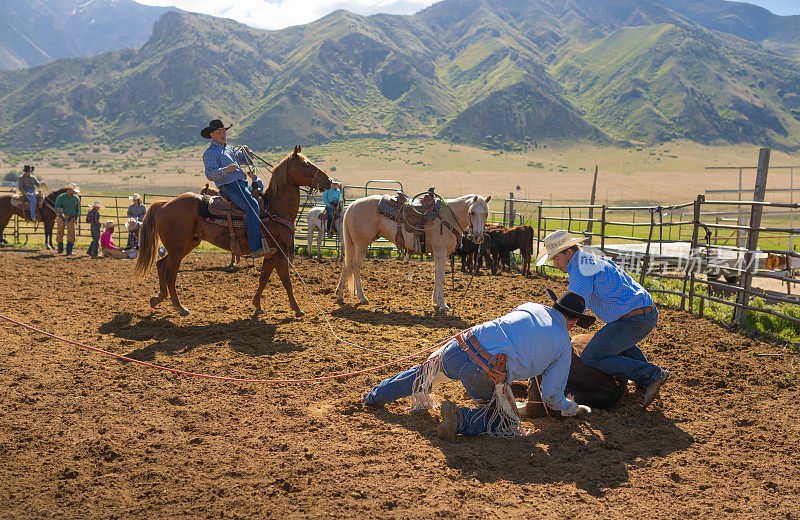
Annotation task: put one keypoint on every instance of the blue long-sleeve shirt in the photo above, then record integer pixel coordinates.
(536, 341)
(331, 196)
(608, 290)
(216, 158)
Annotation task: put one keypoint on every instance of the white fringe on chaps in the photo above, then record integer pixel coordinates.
(502, 405)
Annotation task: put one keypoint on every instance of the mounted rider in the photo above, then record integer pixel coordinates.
(27, 184)
(222, 167)
(331, 198)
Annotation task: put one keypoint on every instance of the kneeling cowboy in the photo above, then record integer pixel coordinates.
(222, 167)
(529, 341)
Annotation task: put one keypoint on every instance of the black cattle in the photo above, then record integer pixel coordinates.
(504, 241)
(471, 254)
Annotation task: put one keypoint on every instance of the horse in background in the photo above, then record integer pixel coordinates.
(178, 224)
(47, 214)
(316, 223)
(363, 224)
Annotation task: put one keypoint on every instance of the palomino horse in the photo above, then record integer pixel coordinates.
(47, 215)
(363, 224)
(317, 224)
(181, 229)
(587, 385)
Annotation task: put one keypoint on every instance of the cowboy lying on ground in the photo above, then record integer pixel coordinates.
(617, 299)
(222, 167)
(93, 219)
(68, 209)
(330, 198)
(27, 184)
(529, 341)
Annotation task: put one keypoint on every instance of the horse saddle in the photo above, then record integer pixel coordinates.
(411, 217)
(20, 202)
(219, 206)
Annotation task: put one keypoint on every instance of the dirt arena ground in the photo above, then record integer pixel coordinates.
(83, 435)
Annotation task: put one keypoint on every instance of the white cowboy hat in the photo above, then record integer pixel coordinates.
(135, 196)
(132, 223)
(108, 224)
(336, 181)
(556, 242)
(72, 186)
(95, 204)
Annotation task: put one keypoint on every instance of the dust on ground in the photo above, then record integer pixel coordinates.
(86, 436)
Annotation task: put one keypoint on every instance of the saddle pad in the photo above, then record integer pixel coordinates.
(217, 207)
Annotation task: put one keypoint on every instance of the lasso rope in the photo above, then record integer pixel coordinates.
(223, 378)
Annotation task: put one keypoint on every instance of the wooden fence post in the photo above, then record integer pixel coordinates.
(590, 224)
(603, 229)
(746, 279)
(692, 255)
(511, 214)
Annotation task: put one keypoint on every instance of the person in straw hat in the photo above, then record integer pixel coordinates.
(330, 198)
(529, 341)
(136, 211)
(93, 219)
(68, 209)
(617, 299)
(222, 167)
(107, 243)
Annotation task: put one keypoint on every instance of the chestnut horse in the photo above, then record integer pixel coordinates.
(363, 224)
(47, 215)
(587, 385)
(181, 229)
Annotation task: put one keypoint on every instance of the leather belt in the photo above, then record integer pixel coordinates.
(640, 310)
(495, 366)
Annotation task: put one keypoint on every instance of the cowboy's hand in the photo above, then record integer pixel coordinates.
(231, 168)
(246, 148)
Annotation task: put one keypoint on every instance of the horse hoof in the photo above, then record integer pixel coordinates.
(340, 300)
(364, 301)
(258, 312)
(154, 301)
(183, 311)
(299, 313)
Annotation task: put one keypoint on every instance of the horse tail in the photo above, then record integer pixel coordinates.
(148, 240)
(349, 250)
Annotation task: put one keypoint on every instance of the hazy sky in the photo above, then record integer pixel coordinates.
(277, 14)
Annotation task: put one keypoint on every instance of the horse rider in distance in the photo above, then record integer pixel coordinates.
(222, 167)
(331, 199)
(27, 185)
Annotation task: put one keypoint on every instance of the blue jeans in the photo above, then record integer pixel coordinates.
(329, 210)
(94, 246)
(239, 193)
(613, 349)
(456, 364)
(31, 196)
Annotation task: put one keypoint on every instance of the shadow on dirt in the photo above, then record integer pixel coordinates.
(247, 336)
(428, 319)
(596, 453)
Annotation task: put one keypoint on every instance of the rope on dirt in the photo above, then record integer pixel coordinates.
(223, 378)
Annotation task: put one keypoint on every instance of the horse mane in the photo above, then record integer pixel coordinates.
(52, 196)
(279, 175)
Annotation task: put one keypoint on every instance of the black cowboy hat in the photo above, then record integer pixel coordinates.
(27, 168)
(572, 304)
(215, 124)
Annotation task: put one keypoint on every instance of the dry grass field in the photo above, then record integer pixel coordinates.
(663, 174)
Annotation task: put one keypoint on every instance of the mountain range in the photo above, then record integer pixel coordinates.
(495, 72)
(34, 32)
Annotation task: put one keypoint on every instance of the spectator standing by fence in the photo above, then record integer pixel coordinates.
(68, 209)
(93, 219)
(136, 210)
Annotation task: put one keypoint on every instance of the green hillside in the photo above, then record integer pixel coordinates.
(496, 72)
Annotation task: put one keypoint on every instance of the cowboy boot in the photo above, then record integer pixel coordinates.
(60, 248)
(69, 247)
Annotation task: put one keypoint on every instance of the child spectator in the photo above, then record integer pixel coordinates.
(93, 219)
(107, 243)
